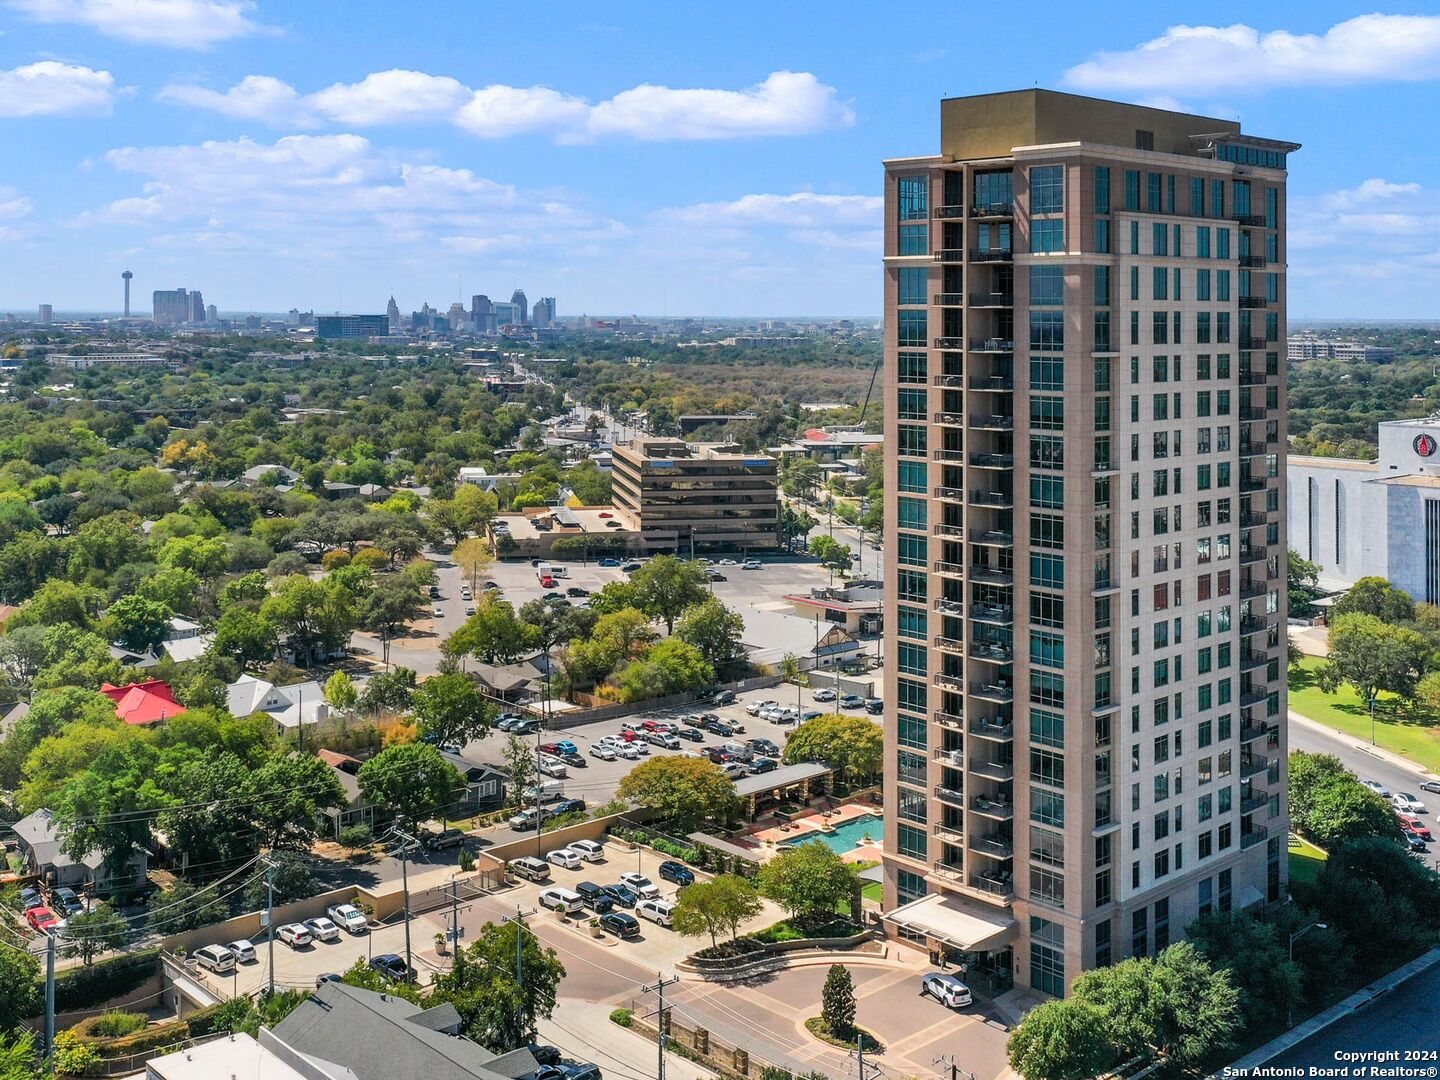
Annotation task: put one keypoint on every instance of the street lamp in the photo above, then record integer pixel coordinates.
(1289, 1009)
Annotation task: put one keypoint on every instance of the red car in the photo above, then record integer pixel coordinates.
(547, 583)
(1415, 825)
(42, 919)
(551, 748)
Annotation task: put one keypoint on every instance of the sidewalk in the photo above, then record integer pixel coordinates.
(583, 1030)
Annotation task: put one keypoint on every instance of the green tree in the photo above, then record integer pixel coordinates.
(340, 691)
(18, 1056)
(494, 635)
(473, 557)
(59, 601)
(91, 933)
(390, 690)
(138, 623)
(519, 767)
(19, 988)
(1378, 897)
(837, 1002)
(500, 1010)
(666, 586)
(831, 552)
(683, 792)
(292, 879)
(314, 617)
(1309, 775)
(1376, 597)
(1061, 1040)
(248, 588)
(1256, 955)
(297, 788)
(713, 629)
(716, 907)
(392, 605)
(102, 808)
(808, 880)
(671, 667)
(1302, 583)
(245, 636)
(451, 708)
(1372, 655)
(185, 906)
(411, 779)
(1348, 810)
(211, 828)
(851, 744)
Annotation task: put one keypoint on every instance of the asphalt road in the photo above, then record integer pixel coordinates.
(1305, 735)
(1405, 1018)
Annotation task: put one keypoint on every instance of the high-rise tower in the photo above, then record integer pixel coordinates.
(522, 307)
(1086, 559)
(126, 276)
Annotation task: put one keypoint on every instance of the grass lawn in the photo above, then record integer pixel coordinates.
(1345, 712)
(1305, 860)
(873, 890)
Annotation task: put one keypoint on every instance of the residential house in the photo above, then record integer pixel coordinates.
(143, 703)
(770, 636)
(357, 809)
(484, 786)
(260, 475)
(290, 706)
(38, 843)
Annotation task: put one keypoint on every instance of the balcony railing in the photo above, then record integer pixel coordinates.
(954, 721)
(993, 770)
(990, 729)
(1253, 835)
(992, 575)
(1250, 555)
(991, 652)
(1000, 614)
(1251, 520)
(950, 682)
(1251, 732)
(1253, 765)
(993, 692)
(949, 419)
(949, 833)
(941, 454)
(991, 382)
(1252, 261)
(949, 299)
(1250, 659)
(949, 607)
(952, 870)
(953, 756)
(1253, 483)
(1254, 696)
(1253, 378)
(1250, 221)
(950, 795)
(1251, 803)
(950, 569)
(992, 300)
(993, 423)
(991, 256)
(1250, 342)
(1001, 847)
(1000, 499)
(1002, 884)
(993, 209)
(993, 808)
(996, 538)
(949, 343)
(1253, 449)
(993, 461)
(954, 211)
(950, 382)
(949, 644)
(941, 529)
(1253, 624)
(950, 255)
(1253, 302)
(951, 494)
(992, 345)
(1250, 590)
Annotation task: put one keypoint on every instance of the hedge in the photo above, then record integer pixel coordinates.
(149, 1038)
(110, 1025)
(86, 987)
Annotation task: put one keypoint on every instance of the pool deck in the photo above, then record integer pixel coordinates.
(818, 823)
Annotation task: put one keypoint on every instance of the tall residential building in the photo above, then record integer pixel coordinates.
(1085, 655)
(482, 312)
(171, 307)
(521, 306)
(543, 313)
(195, 309)
(351, 327)
(46, 313)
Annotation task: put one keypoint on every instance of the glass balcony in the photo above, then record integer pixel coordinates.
(992, 300)
(996, 845)
(992, 345)
(992, 730)
(950, 255)
(992, 210)
(997, 883)
(993, 614)
(992, 423)
(993, 770)
(999, 809)
(991, 575)
(993, 255)
(950, 796)
(1253, 835)
(993, 691)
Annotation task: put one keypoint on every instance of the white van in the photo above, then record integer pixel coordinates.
(216, 958)
(547, 790)
(566, 900)
(739, 750)
(546, 569)
(657, 911)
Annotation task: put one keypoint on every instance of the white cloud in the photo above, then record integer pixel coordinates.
(1367, 193)
(255, 97)
(799, 210)
(50, 88)
(13, 204)
(786, 103)
(183, 24)
(1194, 59)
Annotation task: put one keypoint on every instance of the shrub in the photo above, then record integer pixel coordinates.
(114, 1025)
(87, 987)
(356, 836)
(623, 1017)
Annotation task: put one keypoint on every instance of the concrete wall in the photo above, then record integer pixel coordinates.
(386, 905)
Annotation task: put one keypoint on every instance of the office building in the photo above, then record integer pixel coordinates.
(171, 307)
(683, 496)
(392, 313)
(506, 314)
(1309, 348)
(1085, 525)
(521, 306)
(195, 307)
(46, 313)
(457, 316)
(482, 313)
(543, 313)
(212, 313)
(1379, 518)
(125, 277)
(351, 327)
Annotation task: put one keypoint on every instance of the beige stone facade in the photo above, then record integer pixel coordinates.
(1085, 410)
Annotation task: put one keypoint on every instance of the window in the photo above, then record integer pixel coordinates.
(1047, 189)
(912, 623)
(1047, 571)
(1046, 728)
(910, 731)
(1047, 650)
(911, 404)
(1132, 189)
(1047, 956)
(913, 441)
(1047, 807)
(1102, 284)
(911, 841)
(994, 190)
(911, 659)
(912, 282)
(909, 886)
(1159, 239)
(1048, 234)
(1047, 413)
(911, 550)
(911, 586)
(914, 240)
(1102, 235)
(1217, 198)
(911, 477)
(1047, 285)
(914, 197)
(1047, 492)
(1047, 887)
(911, 367)
(1160, 281)
(1047, 452)
(1102, 189)
(1197, 196)
(912, 328)
(1159, 327)
(1152, 192)
(1047, 330)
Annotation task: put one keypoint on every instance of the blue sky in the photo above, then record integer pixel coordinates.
(685, 158)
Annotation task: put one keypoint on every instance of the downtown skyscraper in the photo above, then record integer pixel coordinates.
(1086, 561)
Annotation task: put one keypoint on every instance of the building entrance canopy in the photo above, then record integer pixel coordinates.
(957, 924)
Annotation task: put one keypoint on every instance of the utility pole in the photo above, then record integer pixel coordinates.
(955, 1072)
(405, 840)
(270, 919)
(659, 988)
(50, 1005)
(454, 890)
(519, 920)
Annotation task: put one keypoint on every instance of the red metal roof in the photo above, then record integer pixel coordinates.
(146, 702)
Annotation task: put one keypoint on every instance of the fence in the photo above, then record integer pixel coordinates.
(702, 1044)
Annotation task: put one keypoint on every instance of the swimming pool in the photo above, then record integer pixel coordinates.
(845, 837)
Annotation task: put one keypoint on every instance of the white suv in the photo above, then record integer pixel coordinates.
(657, 911)
(946, 989)
(349, 916)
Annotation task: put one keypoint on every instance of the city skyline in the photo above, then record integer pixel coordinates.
(699, 163)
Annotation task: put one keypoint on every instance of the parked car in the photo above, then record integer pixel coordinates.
(1403, 800)
(526, 819)
(439, 613)
(620, 924)
(552, 748)
(736, 770)
(824, 694)
(810, 714)
(322, 929)
(544, 1055)
(946, 989)
(609, 562)
(558, 899)
(663, 739)
(679, 873)
(580, 1070)
(753, 709)
(657, 911)
(851, 701)
(348, 916)
(64, 900)
(630, 567)
(716, 575)
(469, 609)
(642, 886)
(447, 838)
(1432, 786)
(874, 706)
(603, 751)
(589, 850)
(1377, 787)
(567, 806)
(719, 755)
(771, 713)
(629, 751)
(294, 934)
(763, 765)
(528, 726)
(507, 721)
(576, 590)
(216, 958)
(564, 857)
(392, 966)
(553, 767)
(42, 919)
(243, 951)
(30, 897)
(763, 746)
(719, 727)
(529, 867)
(724, 697)
(750, 564)
(622, 895)
(727, 562)
(1414, 841)
(326, 977)
(1415, 825)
